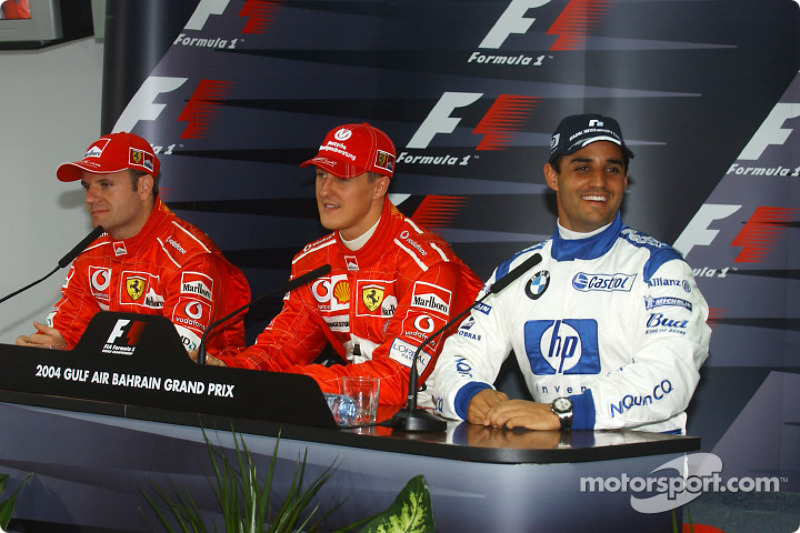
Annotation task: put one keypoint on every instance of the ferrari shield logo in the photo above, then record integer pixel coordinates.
(135, 286)
(372, 296)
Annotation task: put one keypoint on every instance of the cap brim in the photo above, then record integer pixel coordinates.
(73, 171)
(337, 168)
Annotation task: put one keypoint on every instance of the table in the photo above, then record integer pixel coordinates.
(93, 447)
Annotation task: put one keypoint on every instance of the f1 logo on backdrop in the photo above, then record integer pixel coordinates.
(767, 223)
(507, 115)
(572, 26)
(199, 111)
(757, 237)
(772, 131)
(259, 13)
(206, 97)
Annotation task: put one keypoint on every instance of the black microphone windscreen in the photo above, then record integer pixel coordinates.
(516, 273)
(81, 246)
(299, 281)
(291, 285)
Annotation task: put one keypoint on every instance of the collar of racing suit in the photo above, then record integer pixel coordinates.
(379, 242)
(589, 248)
(158, 216)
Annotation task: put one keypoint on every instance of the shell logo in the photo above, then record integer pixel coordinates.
(342, 292)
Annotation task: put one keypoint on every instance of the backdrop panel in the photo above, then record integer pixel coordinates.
(707, 93)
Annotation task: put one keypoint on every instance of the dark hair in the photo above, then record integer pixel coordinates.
(136, 174)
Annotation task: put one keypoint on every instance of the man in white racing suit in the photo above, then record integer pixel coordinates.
(609, 328)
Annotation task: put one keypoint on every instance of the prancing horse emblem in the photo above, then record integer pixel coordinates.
(372, 296)
(135, 286)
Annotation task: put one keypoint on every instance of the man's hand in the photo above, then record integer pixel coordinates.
(45, 337)
(480, 405)
(210, 359)
(522, 414)
(489, 437)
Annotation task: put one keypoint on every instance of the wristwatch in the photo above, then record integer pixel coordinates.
(562, 407)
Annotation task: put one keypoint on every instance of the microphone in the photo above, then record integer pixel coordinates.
(413, 419)
(67, 259)
(81, 246)
(289, 286)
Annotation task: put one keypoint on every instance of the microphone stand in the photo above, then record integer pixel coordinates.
(422, 420)
(414, 419)
(67, 259)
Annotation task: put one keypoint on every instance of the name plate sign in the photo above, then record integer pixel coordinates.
(139, 360)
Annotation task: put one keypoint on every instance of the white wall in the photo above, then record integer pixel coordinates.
(49, 113)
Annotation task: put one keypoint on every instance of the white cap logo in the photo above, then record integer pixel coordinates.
(343, 134)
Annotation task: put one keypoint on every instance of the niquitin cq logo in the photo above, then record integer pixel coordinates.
(629, 400)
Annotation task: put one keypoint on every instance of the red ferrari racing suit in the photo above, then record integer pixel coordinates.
(375, 308)
(169, 268)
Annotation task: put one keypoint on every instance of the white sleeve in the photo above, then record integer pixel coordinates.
(473, 355)
(673, 344)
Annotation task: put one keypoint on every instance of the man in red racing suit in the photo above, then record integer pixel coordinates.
(164, 267)
(391, 283)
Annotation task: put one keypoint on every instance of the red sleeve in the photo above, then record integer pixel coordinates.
(75, 309)
(295, 336)
(434, 292)
(204, 290)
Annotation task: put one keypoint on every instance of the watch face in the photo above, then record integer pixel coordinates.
(562, 405)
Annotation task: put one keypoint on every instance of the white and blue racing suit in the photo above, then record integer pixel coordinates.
(614, 321)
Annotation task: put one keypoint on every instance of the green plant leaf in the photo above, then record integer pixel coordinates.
(7, 505)
(411, 511)
(245, 504)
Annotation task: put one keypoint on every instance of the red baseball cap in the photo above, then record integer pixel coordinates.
(352, 149)
(112, 153)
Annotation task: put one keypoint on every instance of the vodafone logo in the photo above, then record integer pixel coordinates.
(424, 323)
(194, 310)
(100, 278)
(321, 289)
(332, 294)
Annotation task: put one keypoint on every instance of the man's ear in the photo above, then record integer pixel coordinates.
(381, 186)
(145, 186)
(551, 176)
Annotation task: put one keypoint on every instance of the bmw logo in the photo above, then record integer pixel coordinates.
(537, 285)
